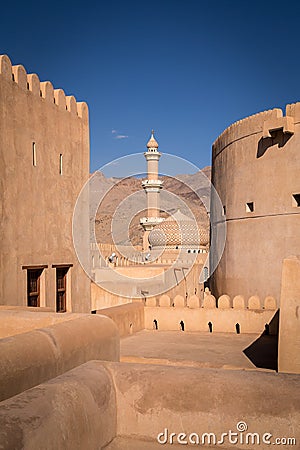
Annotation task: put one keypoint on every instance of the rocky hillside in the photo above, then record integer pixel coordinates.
(126, 195)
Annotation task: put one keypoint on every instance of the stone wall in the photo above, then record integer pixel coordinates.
(118, 283)
(151, 398)
(210, 314)
(34, 357)
(128, 318)
(76, 410)
(289, 323)
(255, 170)
(17, 319)
(90, 405)
(44, 162)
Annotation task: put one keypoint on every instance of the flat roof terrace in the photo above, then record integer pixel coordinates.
(203, 349)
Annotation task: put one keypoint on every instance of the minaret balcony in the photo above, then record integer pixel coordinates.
(152, 154)
(152, 184)
(149, 222)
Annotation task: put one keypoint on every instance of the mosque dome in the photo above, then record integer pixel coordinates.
(152, 143)
(178, 230)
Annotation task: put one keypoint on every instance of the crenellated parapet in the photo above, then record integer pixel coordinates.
(263, 122)
(293, 110)
(31, 83)
(211, 314)
(224, 302)
(245, 127)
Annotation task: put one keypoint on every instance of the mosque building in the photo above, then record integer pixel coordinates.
(175, 250)
(175, 232)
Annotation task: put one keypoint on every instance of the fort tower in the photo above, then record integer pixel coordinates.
(44, 151)
(255, 170)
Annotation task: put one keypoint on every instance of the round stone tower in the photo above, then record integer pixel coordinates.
(255, 170)
(152, 187)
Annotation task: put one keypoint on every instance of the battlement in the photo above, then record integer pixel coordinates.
(244, 127)
(209, 301)
(31, 83)
(293, 110)
(209, 314)
(255, 124)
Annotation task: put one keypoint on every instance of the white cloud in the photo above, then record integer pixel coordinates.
(116, 135)
(121, 136)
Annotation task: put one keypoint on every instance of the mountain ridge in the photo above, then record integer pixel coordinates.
(119, 197)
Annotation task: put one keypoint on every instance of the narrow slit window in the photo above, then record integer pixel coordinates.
(249, 207)
(296, 200)
(60, 164)
(34, 154)
(224, 210)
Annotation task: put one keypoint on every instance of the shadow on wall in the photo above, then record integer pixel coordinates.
(263, 352)
(277, 138)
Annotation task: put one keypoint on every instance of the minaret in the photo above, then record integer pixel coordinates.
(152, 187)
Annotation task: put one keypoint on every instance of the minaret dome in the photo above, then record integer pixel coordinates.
(152, 143)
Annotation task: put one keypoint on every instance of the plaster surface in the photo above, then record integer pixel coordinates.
(75, 411)
(151, 398)
(128, 318)
(44, 162)
(127, 405)
(250, 167)
(197, 319)
(127, 443)
(220, 350)
(289, 324)
(18, 320)
(31, 358)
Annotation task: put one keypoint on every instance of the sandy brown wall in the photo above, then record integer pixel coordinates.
(37, 202)
(102, 399)
(248, 166)
(289, 323)
(184, 279)
(20, 320)
(128, 318)
(223, 321)
(31, 358)
(75, 411)
(102, 298)
(151, 398)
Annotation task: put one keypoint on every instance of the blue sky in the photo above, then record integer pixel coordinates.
(187, 68)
